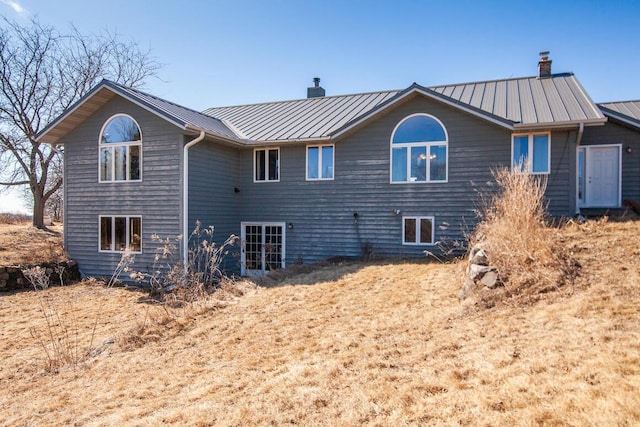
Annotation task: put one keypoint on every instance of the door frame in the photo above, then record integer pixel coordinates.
(582, 203)
(243, 255)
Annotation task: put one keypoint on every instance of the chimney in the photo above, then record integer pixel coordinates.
(316, 91)
(544, 65)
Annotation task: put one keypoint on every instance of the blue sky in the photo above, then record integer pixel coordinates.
(218, 53)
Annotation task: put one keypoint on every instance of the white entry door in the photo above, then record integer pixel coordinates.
(602, 176)
(262, 247)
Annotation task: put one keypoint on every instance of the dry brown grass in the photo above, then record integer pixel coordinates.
(23, 244)
(385, 343)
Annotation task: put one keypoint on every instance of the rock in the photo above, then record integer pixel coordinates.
(478, 256)
(477, 272)
(490, 279)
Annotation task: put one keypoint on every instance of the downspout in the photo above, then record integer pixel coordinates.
(185, 199)
(578, 141)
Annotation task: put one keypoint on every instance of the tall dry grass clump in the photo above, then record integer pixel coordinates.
(515, 232)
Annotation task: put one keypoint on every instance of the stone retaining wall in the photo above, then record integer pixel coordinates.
(12, 278)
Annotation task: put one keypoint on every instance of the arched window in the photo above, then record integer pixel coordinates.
(419, 150)
(120, 150)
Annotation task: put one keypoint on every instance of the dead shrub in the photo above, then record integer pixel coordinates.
(14, 218)
(520, 241)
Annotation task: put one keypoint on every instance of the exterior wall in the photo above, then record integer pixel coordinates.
(157, 198)
(561, 183)
(322, 211)
(213, 179)
(615, 133)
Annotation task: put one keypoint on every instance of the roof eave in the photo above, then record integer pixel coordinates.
(559, 125)
(620, 117)
(42, 135)
(104, 84)
(214, 135)
(291, 141)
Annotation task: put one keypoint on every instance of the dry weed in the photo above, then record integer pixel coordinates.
(14, 218)
(519, 241)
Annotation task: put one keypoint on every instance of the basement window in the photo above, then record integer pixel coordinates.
(417, 230)
(120, 233)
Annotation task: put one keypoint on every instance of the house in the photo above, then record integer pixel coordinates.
(393, 172)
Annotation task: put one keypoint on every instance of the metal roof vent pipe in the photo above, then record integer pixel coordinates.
(544, 65)
(316, 91)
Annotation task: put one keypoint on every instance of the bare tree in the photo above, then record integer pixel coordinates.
(43, 72)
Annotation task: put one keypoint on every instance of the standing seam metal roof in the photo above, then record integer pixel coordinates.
(177, 112)
(520, 102)
(627, 111)
(312, 118)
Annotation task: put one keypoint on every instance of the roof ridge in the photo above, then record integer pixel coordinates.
(565, 74)
(617, 102)
(303, 99)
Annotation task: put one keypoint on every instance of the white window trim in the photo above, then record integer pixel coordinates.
(428, 144)
(113, 145)
(113, 231)
(266, 165)
(530, 151)
(418, 218)
(320, 163)
(243, 225)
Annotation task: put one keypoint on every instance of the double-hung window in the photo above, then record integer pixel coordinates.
(531, 153)
(417, 230)
(419, 150)
(120, 233)
(266, 164)
(120, 150)
(319, 162)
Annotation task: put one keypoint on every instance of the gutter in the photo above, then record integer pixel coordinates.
(561, 125)
(185, 198)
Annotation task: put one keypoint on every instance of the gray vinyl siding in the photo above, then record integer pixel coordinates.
(561, 181)
(157, 199)
(322, 211)
(213, 179)
(614, 133)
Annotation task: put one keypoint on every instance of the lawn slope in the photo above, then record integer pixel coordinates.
(384, 343)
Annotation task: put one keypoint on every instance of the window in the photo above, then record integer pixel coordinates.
(120, 150)
(417, 230)
(419, 150)
(319, 162)
(531, 153)
(266, 164)
(120, 233)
